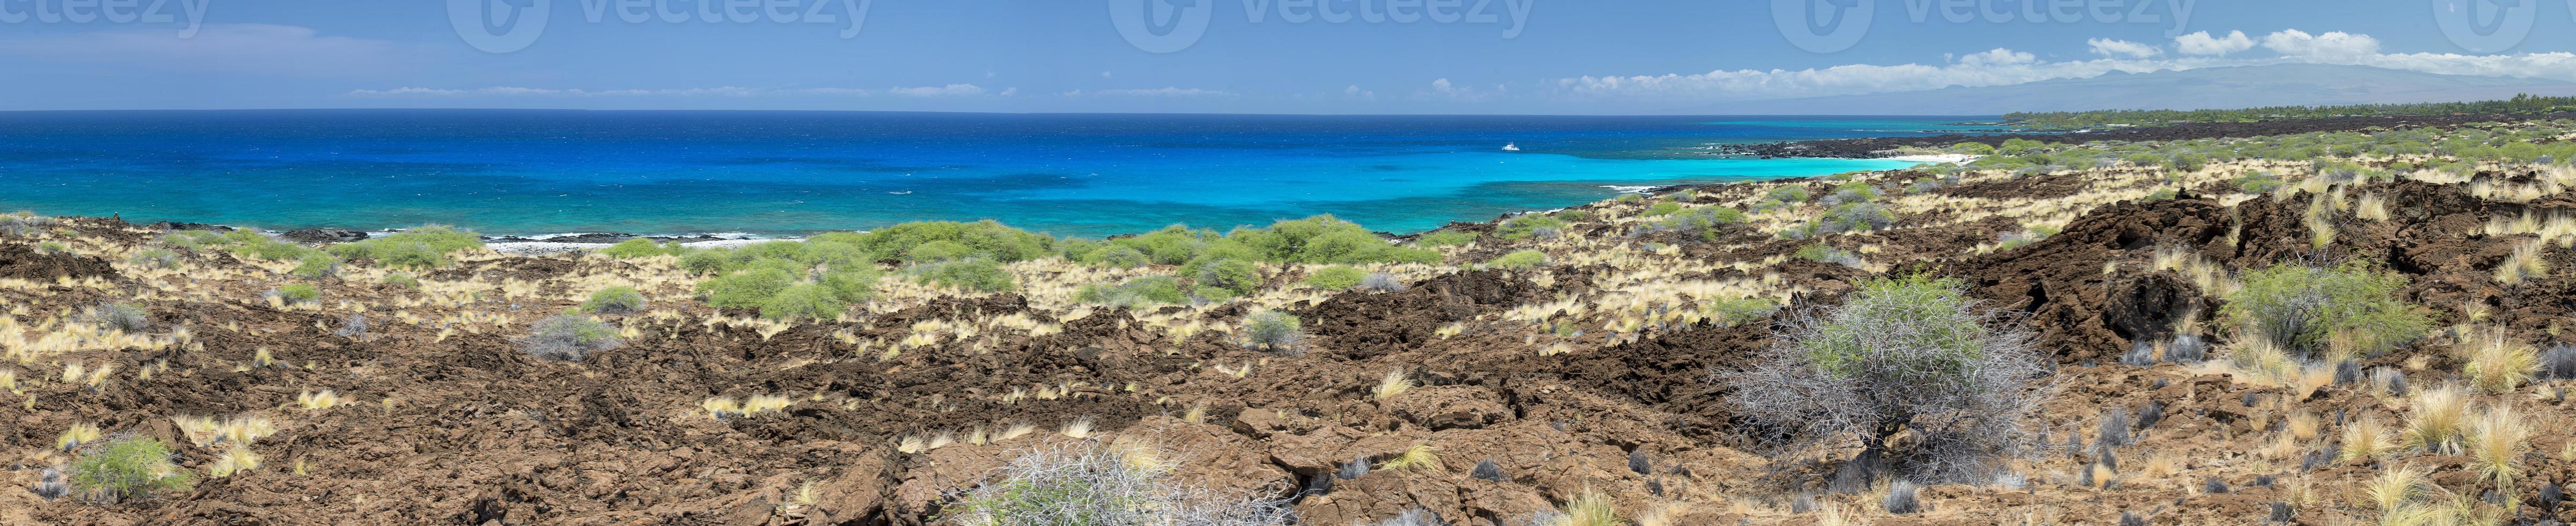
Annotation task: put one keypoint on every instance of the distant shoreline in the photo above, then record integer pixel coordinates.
(558, 243)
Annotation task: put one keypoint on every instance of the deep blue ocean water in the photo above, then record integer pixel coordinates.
(789, 173)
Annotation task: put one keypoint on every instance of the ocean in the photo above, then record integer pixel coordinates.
(772, 173)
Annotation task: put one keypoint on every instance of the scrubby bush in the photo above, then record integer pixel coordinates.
(317, 266)
(1228, 278)
(745, 290)
(569, 338)
(1661, 209)
(1519, 260)
(1326, 240)
(1273, 331)
(804, 301)
(851, 286)
(252, 245)
(402, 280)
(987, 239)
(2307, 309)
(615, 300)
(1136, 292)
(1085, 483)
(1116, 256)
(1823, 253)
(120, 316)
(1856, 217)
(155, 258)
(1788, 194)
(419, 248)
(1335, 277)
(1443, 238)
(1900, 355)
(1381, 282)
(1525, 227)
(980, 275)
(127, 468)
(1732, 312)
(941, 250)
(300, 293)
(1702, 222)
(642, 248)
(2257, 183)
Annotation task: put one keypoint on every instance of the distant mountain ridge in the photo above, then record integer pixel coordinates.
(2197, 89)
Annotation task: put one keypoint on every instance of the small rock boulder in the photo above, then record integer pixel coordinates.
(323, 235)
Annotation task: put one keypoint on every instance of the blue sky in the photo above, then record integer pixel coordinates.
(1534, 56)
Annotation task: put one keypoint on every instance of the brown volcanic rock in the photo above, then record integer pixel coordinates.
(24, 262)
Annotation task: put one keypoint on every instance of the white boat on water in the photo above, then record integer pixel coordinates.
(1511, 147)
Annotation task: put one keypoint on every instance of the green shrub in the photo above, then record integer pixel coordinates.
(703, 262)
(317, 266)
(1912, 355)
(248, 244)
(1273, 331)
(941, 250)
(300, 293)
(1824, 253)
(1523, 227)
(1229, 278)
(1173, 245)
(569, 338)
(1335, 277)
(121, 316)
(1973, 148)
(1737, 311)
(1443, 238)
(1627, 198)
(2257, 183)
(403, 280)
(1701, 221)
(1519, 260)
(1116, 256)
(1661, 209)
(1856, 217)
(1325, 240)
(1572, 215)
(1788, 194)
(642, 248)
(981, 275)
(155, 258)
(987, 239)
(2307, 309)
(615, 300)
(1136, 292)
(1089, 484)
(128, 468)
(745, 290)
(804, 301)
(419, 248)
(192, 239)
(852, 286)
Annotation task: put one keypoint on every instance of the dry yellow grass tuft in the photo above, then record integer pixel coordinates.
(2496, 363)
(1395, 383)
(2441, 418)
(2495, 446)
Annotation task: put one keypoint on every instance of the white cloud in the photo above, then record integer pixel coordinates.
(725, 91)
(260, 49)
(1155, 92)
(939, 91)
(2123, 48)
(2334, 47)
(2006, 67)
(2202, 44)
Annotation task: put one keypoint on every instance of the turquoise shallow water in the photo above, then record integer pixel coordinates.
(790, 173)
